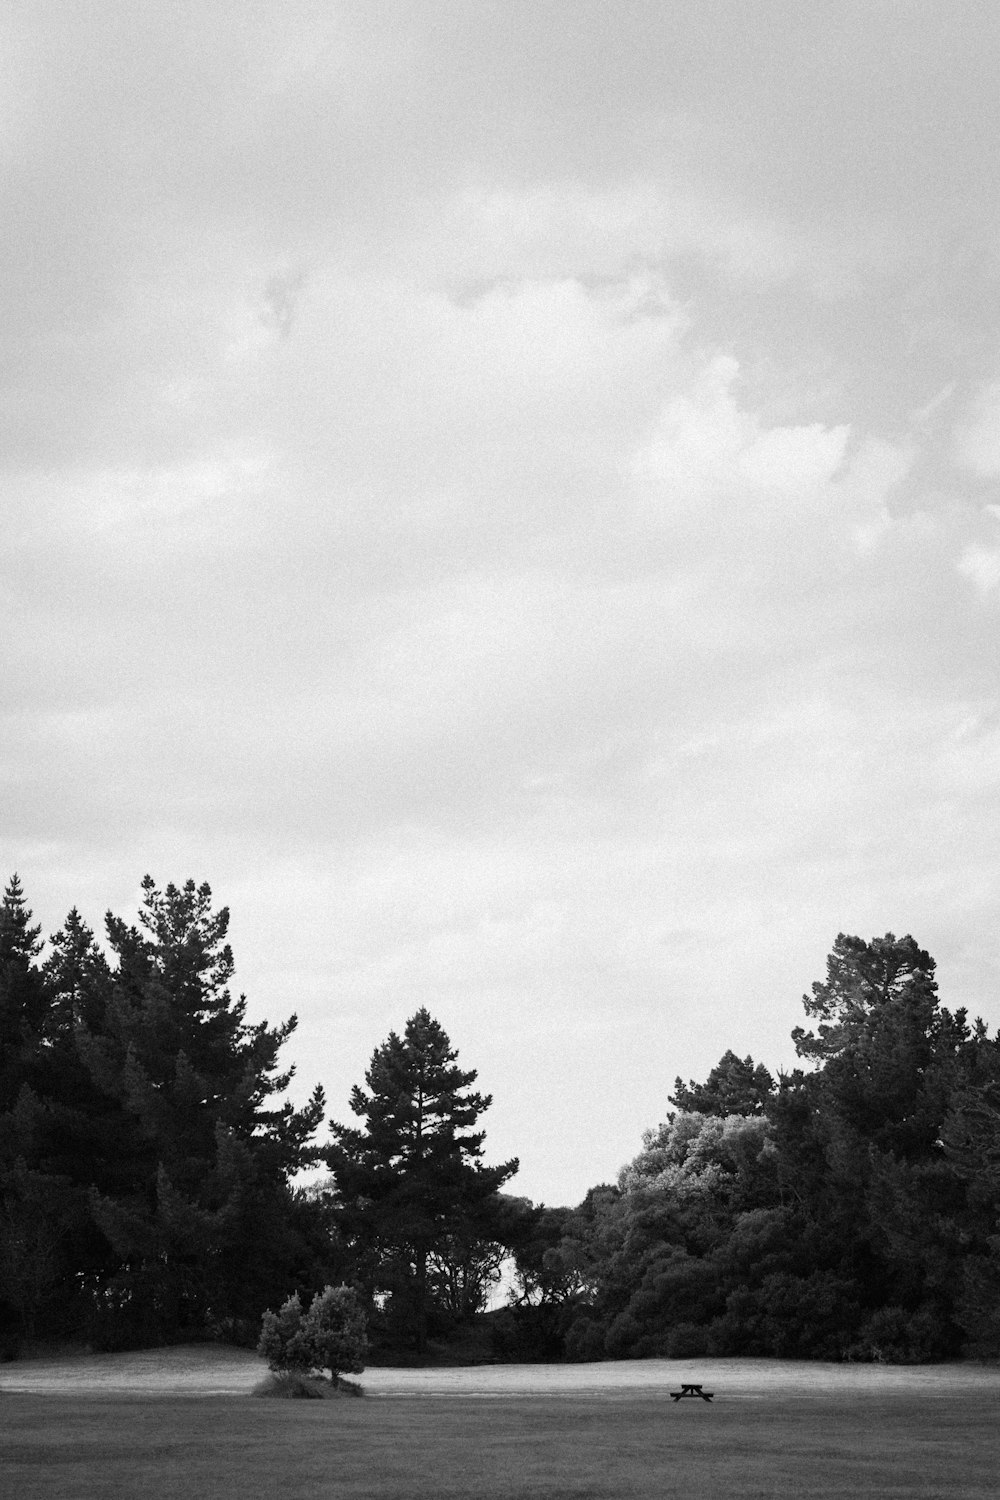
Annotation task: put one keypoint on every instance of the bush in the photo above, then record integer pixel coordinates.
(330, 1336)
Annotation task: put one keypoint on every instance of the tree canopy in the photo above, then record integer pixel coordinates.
(146, 1157)
(412, 1188)
(735, 1086)
(848, 1209)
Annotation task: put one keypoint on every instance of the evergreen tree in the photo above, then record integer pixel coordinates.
(735, 1086)
(971, 1140)
(32, 1204)
(23, 998)
(196, 1207)
(859, 1140)
(411, 1182)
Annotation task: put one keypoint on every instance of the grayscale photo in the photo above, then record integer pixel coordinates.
(500, 749)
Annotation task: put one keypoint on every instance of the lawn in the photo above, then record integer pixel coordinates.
(772, 1431)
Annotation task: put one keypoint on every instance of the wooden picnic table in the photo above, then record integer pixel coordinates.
(694, 1391)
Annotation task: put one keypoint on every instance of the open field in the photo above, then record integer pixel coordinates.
(603, 1431)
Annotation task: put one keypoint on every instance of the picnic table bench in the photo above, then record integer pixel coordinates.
(694, 1391)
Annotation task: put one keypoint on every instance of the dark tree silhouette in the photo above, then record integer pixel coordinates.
(411, 1182)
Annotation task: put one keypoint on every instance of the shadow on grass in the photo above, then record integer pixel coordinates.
(290, 1385)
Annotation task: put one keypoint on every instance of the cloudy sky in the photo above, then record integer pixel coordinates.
(508, 491)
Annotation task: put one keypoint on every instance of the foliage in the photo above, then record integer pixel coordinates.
(851, 1210)
(735, 1086)
(145, 1161)
(331, 1335)
(416, 1204)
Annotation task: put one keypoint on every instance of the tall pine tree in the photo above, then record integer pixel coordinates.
(196, 1207)
(412, 1181)
(28, 1250)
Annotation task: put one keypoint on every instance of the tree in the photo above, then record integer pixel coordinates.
(330, 1336)
(196, 1207)
(23, 998)
(971, 1139)
(34, 1212)
(889, 1053)
(411, 1183)
(862, 1138)
(850, 1211)
(145, 1162)
(735, 1086)
(549, 1283)
(463, 1269)
(549, 1269)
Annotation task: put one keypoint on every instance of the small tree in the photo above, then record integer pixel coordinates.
(330, 1336)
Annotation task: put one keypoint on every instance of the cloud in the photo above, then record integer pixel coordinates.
(982, 565)
(481, 495)
(977, 439)
(565, 229)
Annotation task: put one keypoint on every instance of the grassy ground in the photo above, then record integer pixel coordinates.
(786, 1436)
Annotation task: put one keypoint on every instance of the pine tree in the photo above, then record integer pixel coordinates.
(196, 1208)
(867, 1128)
(888, 1050)
(735, 1086)
(23, 998)
(412, 1180)
(36, 1202)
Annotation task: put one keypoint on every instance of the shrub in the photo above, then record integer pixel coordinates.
(330, 1336)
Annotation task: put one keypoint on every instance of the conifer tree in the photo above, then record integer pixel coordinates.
(413, 1178)
(197, 1209)
(35, 1207)
(735, 1086)
(23, 1000)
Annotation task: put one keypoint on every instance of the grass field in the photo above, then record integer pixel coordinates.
(601, 1431)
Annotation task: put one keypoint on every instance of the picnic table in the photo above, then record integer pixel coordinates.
(694, 1391)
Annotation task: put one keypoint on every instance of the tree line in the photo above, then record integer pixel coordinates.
(149, 1165)
(150, 1172)
(848, 1210)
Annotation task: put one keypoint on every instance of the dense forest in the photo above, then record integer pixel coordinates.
(151, 1171)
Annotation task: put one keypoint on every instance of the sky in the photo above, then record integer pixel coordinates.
(509, 494)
